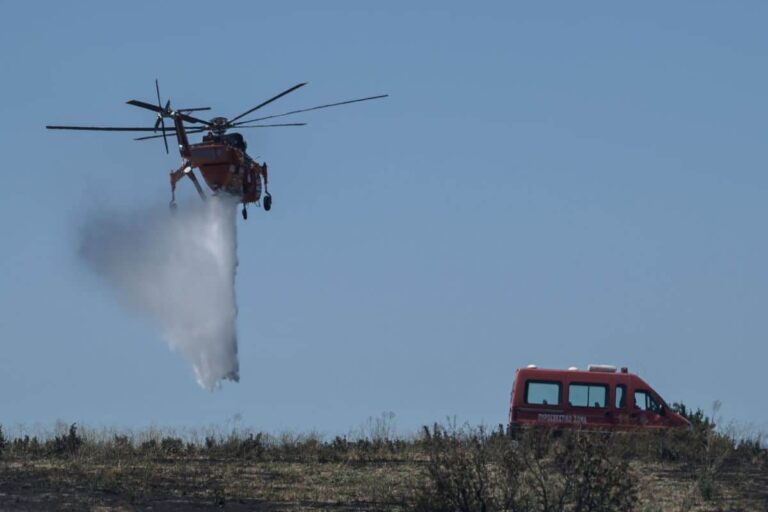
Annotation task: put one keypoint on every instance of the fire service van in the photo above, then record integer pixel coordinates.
(599, 397)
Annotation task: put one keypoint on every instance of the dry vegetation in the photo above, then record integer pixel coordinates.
(444, 468)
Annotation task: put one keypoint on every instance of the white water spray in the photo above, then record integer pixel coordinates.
(179, 269)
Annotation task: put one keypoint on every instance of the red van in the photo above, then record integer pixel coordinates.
(599, 397)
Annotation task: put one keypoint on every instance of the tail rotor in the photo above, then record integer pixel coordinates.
(161, 114)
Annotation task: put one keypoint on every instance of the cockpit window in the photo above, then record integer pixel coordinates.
(236, 140)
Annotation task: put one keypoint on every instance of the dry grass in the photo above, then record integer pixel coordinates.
(248, 471)
(200, 483)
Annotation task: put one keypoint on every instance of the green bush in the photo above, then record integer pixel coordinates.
(63, 445)
(172, 446)
(469, 470)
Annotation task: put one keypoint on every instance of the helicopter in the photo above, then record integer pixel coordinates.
(221, 157)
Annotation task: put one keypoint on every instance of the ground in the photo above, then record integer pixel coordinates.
(202, 483)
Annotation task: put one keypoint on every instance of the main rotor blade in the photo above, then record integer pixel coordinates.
(159, 104)
(257, 107)
(172, 132)
(157, 89)
(142, 104)
(154, 108)
(191, 119)
(193, 109)
(269, 125)
(102, 128)
(165, 139)
(198, 130)
(313, 108)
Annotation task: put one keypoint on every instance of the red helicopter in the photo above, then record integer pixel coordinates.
(221, 156)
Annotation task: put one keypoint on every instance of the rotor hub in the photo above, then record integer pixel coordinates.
(219, 125)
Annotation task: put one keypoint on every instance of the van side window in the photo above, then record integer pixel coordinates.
(645, 401)
(621, 396)
(542, 392)
(588, 395)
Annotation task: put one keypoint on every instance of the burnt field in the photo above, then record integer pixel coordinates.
(444, 468)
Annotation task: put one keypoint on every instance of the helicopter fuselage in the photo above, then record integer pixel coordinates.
(228, 169)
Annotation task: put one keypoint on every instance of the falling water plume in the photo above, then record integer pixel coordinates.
(178, 269)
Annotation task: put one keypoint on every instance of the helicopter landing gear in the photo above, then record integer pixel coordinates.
(267, 201)
(244, 211)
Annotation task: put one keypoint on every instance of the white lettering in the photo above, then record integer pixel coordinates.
(563, 418)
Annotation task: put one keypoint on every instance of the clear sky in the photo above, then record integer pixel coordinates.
(549, 182)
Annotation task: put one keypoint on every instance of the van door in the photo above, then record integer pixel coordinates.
(589, 402)
(647, 410)
(620, 409)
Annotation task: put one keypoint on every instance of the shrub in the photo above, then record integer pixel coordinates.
(62, 445)
(172, 446)
(469, 470)
(148, 447)
(459, 475)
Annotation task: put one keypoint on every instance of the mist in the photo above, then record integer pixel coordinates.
(178, 270)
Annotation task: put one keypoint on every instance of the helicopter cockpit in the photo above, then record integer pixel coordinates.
(235, 140)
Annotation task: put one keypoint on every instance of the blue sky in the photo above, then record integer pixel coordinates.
(557, 183)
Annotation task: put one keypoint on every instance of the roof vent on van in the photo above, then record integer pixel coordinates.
(607, 368)
(532, 366)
